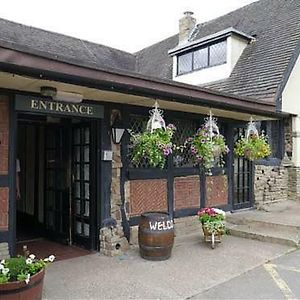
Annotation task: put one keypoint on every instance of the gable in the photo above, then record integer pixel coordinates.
(291, 92)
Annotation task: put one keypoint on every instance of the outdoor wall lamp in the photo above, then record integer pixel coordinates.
(49, 91)
(117, 128)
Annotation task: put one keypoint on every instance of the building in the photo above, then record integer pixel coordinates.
(61, 96)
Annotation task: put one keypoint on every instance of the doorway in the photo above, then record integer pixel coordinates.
(242, 177)
(57, 158)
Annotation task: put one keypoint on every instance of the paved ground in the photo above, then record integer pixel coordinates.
(278, 279)
(193, 271)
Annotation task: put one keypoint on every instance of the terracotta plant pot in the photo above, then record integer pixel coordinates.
(19, 290)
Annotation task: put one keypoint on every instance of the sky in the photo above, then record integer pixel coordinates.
(128, 25)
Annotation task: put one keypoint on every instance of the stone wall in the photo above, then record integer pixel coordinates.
(294, 183)
(112, 239)
(4, 253)
(270, 185)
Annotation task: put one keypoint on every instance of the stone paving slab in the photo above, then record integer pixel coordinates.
(193, 268)
(260, 284)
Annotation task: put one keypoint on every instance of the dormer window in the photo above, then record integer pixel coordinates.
(202, 57)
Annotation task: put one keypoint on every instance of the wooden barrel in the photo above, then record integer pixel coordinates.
(156, 235)
(19, 290)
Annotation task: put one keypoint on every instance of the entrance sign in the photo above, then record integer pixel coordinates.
(47, 106)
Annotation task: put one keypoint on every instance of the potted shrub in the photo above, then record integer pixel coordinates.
(22, 278)
(253, 147)
(212, 224)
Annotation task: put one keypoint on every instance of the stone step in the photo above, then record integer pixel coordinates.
(257, 221)
(265, 234)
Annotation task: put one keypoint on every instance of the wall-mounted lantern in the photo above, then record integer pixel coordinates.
(117, 127)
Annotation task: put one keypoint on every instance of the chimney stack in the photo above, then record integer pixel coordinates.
(186, 25)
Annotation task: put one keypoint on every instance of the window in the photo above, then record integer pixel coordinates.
(217, 55)
(200, 58)
(272, 130)
(185, 63)
(208, 56)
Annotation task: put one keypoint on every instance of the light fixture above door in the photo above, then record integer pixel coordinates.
(58, 95)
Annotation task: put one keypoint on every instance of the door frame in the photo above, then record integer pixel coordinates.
(92, 241)
(96, 182)
(231, 178)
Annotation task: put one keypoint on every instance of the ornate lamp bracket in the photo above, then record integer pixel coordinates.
(156, 120)
(211, 124)
(251, 129)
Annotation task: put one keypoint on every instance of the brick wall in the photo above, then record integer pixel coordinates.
(147, 195)
(4, 133)
(186, 192)
(4, 141)
(3, 208)
(216, 190)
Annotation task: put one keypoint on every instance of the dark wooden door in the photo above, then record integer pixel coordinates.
(57, 183)
(82, 194)
(242, 177)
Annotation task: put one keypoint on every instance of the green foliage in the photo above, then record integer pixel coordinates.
(207, 149)
(212, 220)
(153, 146)
(3, 278)
(16, 265)
(215, 227)
(21, 268)
(22, 276)
(36, 267)
(253, 148)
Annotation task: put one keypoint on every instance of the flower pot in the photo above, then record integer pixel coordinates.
(217, 151)
(19, 290)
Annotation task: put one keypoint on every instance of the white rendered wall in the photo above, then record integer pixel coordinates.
(235, 47)
(296, 141)
(290, 104)
(291, 92)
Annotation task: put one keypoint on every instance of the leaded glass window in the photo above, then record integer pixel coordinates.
(272, 130)
(200, 58)
(185, 129)
(217, 54)
(137, 124)
(185, 63)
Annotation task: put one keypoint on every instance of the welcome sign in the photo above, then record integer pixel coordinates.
(47, 106)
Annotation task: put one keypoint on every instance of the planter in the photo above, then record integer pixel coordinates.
(212, 237)
(217, 151)
(19, 290)
(156, 235)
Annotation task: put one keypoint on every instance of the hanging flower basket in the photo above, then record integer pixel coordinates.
(253, 146)
(155, 144)
(208, 146)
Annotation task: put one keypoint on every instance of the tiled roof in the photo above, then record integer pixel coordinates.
(260, 70)
(261, 67)
(62, 47)
(155, 60)
(276, 26)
